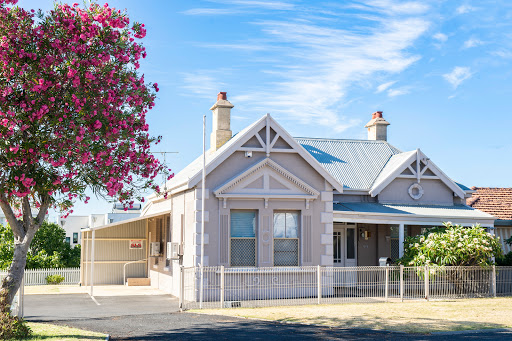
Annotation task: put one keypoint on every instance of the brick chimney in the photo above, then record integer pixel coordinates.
(377, 127)
(221, 122)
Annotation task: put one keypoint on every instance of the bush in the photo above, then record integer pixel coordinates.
(13, 327)
(451, 245)
(54, 279)
(504, 260)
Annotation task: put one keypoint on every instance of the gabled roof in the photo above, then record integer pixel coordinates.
(354, 163)
(400, 162)
(495, 201)
(191, 175)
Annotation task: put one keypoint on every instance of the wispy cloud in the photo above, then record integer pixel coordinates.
(440, 37)
(322, 63)
(211, 11)
(275, 5)
(384, 86)
(398, 91)
(458, 75)
(204, 84)
(463, 9)
(472, 42)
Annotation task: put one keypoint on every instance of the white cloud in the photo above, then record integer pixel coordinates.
(398, 92)
(204, 84)
(463, 9)
(440, 37)
(272, 5)
(458, 75)
(211, 11)
(472, 42)
(384, 86)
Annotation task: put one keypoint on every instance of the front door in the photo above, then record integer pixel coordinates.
(344, 245)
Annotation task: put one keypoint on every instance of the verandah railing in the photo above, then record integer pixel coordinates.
(275, 286)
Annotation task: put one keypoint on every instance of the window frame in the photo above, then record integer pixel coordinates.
(255, 238)
(298, 239)
(75, 234)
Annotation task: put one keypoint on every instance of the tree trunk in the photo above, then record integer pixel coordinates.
(12, 282)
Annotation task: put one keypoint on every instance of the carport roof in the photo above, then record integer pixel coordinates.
(127, 221)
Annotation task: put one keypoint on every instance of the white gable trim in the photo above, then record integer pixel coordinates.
(269, 122)
(379, 185)
(223, 191)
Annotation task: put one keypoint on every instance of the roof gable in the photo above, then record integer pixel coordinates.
(413, 165)
(266, 179)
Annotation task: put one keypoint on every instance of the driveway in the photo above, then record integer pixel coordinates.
(157, 318)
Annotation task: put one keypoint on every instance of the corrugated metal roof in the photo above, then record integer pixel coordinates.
(354, 163)
(455, 211)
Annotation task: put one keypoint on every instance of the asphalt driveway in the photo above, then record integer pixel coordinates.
(157, 318)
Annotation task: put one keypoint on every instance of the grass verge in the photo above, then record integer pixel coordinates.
(49, 332)
(410, 317)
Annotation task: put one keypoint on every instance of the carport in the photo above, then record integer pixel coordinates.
(114, 252)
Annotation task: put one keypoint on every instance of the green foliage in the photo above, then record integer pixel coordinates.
(11, 327)
(451, 245)
(48, 249)
(504, 260)
(509, 241)
(54, 279)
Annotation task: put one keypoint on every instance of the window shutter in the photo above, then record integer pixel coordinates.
(224, 239)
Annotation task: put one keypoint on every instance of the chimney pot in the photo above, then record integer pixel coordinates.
(222, 96)
(377, 114)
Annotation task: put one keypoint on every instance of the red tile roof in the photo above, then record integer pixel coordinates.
(495, 201)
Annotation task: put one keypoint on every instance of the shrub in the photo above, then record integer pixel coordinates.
(54, 279)
(451, 245)
(504, 260)
(13, 327)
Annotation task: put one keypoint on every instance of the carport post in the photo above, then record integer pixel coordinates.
(92, 262)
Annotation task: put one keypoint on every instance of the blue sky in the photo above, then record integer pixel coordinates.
(439, 70)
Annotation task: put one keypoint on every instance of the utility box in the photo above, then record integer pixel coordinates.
(384, 261)
(154, 249)
(174, 250)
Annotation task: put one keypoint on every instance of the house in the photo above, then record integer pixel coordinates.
(73, 224)
(272, 200)
(497, 202)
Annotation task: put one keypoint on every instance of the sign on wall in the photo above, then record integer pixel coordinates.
(135, 244)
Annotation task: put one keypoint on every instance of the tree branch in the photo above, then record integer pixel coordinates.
(16, 227)
(27, 213)
(45, 204)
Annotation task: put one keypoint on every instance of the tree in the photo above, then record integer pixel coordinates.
(72, 115)
(47, 250)
(451, 245)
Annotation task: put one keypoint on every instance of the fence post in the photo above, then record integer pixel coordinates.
(427, 282)
(319, 283)
(386, 289)
(222, 286)
(401, 283)
(182, 289)
(494, 280)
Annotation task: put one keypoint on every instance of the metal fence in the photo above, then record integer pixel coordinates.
(38, 276)
(278, 286)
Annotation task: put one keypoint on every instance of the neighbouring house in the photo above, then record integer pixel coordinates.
(273, 200)
(497, 202)
(74, 224)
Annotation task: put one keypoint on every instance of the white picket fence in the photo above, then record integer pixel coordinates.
(38, 276)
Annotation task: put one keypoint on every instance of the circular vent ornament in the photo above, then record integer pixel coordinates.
(416, 191)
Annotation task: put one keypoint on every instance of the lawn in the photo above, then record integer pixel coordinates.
(49, 332)
(411, 317)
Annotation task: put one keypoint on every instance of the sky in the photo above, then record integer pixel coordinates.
(439, 70)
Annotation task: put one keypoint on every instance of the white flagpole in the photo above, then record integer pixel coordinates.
(203, 193)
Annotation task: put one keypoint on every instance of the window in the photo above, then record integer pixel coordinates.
(75, 237)
(286, 239)
(243, 238)
(68, 240)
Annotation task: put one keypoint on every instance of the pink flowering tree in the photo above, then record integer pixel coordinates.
(72, 116)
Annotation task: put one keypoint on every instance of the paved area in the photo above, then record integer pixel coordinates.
(99, 290)
(156, 317)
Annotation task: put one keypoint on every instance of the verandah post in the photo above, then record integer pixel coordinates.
(319, 282)
(182, 289)
(222, 286)
(401, 283)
